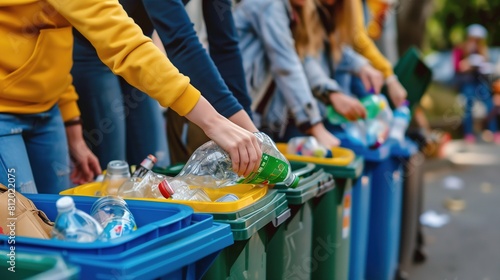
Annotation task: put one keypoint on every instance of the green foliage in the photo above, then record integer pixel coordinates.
(446, 27)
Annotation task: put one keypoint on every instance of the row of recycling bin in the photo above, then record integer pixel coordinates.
(343, 221)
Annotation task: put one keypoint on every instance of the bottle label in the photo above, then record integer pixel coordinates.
(271, 171)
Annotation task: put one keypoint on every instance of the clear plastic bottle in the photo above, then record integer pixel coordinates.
(400, 122)
(308, 146)
(210, 166)
(377, 129)
(134, 187)
(72, 224)
(178, 190)
(356, 132)
(113, 214)
(117, 173)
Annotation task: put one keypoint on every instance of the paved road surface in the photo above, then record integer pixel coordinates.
(468, 247)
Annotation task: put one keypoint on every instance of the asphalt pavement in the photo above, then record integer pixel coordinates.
(468, 246)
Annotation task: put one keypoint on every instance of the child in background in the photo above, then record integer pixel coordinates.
(471, 65)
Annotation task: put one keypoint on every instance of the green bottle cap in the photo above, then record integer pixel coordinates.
(295, 182)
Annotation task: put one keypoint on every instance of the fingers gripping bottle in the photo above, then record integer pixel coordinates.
(373, 104)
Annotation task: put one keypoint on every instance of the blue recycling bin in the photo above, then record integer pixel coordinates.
(385, 212)
(171, 242)
(376, 209)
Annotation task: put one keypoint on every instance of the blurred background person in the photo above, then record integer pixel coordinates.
(470, 60)
(282, 99)
(323, 35)
(363, 44)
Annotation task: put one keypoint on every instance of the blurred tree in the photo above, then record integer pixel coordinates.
(411, 18)
(446, 26)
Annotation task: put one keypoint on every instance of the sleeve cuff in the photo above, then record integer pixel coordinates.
(186, 102)
(69, 110)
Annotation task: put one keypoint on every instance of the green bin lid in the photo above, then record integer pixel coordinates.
(244, 226)
(310, 187)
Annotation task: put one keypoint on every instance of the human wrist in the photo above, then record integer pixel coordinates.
(391, 79)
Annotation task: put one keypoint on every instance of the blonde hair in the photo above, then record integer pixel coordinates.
(310, 32)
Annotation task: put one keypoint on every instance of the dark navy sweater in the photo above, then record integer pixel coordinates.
(218, 74)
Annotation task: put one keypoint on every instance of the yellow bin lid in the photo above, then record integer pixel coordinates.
(341, 156)
(247, 194)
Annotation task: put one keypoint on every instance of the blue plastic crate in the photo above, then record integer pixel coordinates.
(184, 254)
(154, 220)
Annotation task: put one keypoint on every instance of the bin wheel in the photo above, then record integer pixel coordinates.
(402, 275)
(420, 256)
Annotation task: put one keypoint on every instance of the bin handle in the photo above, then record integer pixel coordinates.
(282, 217)
(326, 187)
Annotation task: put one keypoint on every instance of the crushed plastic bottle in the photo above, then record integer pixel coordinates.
(113, 214)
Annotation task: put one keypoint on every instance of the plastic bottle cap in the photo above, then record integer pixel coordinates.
(406, 103)
(65, 204)
(117, 167)
(152, 158)
(295, 182)
(165, 189)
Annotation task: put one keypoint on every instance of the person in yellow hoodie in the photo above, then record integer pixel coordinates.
(40, 125)
(365, 46)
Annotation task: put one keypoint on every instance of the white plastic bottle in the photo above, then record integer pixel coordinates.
(72, 224)
(400, 122)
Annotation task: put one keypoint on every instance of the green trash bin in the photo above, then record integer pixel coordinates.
(251, 227)
(331, 240)
(31, 265)
(290, 250)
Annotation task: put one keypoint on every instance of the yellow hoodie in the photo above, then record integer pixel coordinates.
(36, 55)
(365, 46)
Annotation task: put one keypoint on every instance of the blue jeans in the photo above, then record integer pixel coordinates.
(120, 122)
(476, 90)
(34, 152)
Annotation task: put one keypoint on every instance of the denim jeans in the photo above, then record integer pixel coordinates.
(34, 152)
(120, 122)
(476, 90)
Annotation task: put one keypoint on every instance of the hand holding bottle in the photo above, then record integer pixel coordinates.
(324, 136)
(372, 78)
(396, 91)
(347, 106)
(242, 146)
